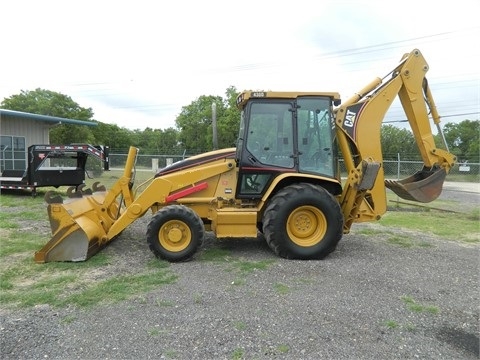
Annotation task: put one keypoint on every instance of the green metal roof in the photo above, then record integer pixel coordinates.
(44, 118)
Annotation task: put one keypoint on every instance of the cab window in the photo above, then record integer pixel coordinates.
(270, 133)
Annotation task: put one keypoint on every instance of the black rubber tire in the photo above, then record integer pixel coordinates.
(303, 221)
(175, 233)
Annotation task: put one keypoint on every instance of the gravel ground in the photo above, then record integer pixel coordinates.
(351, 305)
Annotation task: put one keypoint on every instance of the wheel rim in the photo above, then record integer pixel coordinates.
(306, 226)
(174, 236)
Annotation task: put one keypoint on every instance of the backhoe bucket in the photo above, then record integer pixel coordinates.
(77, 230)
(423, 186)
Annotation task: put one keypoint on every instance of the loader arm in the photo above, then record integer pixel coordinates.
(358, 125)
(163, 190)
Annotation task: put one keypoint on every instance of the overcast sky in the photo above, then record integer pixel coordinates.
(136, 63)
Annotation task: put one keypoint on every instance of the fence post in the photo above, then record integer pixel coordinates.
(398, 166)
(154, 165)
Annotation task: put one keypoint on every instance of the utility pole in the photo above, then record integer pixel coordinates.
(214, 126)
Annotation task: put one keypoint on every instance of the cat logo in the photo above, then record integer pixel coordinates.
(349, 119)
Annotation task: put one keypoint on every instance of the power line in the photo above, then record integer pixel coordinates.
(443, 116)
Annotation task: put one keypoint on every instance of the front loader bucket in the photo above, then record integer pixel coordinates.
(84, 224)
(77, 230)
(423, 186)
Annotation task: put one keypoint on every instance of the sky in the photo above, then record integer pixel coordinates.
(137, 63)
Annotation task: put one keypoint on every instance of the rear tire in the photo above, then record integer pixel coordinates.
(175, 233)
(303, 221)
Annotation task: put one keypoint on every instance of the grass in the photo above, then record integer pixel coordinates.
(404, 240)
(246, 267)
(21, 241)
(16, 201)
(414, 306)
(239, 325)
(238, 354)
(119, 288)
(407, 241)
(28, 284)
(155, 331)
(240, 266)
(463, 228)
(216, 255)
(23, 283)
(391, 324)
(170, 354)
(164, 303)
(69, 319)
(460, 227)
(281, 289)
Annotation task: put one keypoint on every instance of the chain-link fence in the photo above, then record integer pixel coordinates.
(145, 162)
(394, 169)
(400, 169)
(403, 168)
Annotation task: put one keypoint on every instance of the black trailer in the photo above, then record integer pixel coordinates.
(54, 165)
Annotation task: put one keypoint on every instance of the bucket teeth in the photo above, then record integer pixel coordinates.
(79, 191)
(85, 191)
(73, 193)
(51, 198)
(98, 187)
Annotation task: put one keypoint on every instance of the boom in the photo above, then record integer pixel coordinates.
(358, 124)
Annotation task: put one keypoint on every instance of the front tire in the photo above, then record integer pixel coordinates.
(303, 221)
(175, 233)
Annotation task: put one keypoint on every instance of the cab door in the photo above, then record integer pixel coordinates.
(268, 146)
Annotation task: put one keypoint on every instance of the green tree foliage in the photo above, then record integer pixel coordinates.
(117, 138)
(229, 123)
(194, 133)
(463, 139)
(46, 102)
(396, 141)
(195, 122)
(157, 141)
(169, 142)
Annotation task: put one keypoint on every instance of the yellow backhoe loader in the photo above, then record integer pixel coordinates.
(282, 179)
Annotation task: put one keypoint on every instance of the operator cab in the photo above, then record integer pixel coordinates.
(284, 132)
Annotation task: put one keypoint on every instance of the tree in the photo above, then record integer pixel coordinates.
(229, 122)
(398, 141)
(169, 142)
(117, 138)
(46, 102)
(156, 141)
(463, 139)
(195, 123)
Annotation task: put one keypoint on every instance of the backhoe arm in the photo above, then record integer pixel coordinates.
(358, 123)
